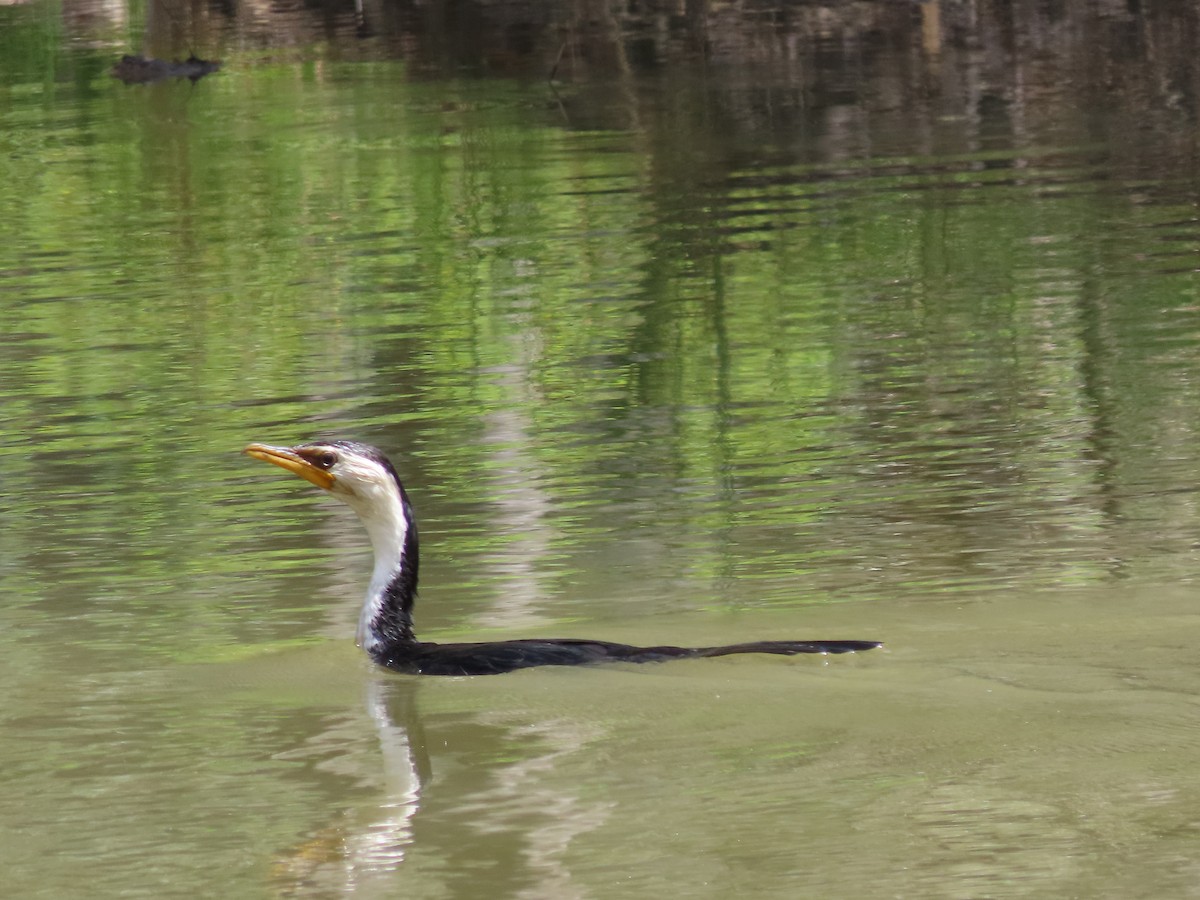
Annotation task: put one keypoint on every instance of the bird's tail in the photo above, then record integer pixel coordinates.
(791, 648)
(784, 648)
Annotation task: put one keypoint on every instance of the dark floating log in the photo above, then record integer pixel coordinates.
(140, 70)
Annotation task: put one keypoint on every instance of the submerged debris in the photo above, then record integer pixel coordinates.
(141, 70)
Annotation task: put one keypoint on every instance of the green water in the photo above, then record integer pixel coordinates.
(658, 362)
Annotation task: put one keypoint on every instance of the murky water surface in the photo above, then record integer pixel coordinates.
(662, 357)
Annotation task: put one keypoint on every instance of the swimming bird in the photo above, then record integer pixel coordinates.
(365, 480)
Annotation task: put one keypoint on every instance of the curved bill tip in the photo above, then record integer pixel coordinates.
(287, 458)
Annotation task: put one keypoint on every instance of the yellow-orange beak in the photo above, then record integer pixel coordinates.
(287, 458)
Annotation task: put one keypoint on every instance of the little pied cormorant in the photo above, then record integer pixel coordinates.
(365, 480)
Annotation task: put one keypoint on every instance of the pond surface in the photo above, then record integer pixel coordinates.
(662, 357)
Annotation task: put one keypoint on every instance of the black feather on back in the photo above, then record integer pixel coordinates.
(421, 658)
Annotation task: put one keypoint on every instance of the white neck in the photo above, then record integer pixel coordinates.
(382, 513)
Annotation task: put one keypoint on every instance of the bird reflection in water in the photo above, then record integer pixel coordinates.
(452, 789)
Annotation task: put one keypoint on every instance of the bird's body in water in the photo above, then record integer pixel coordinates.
(364, 479)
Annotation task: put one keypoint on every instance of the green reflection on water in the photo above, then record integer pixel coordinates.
(762, 373)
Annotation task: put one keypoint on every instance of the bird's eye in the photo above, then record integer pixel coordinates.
(326, 460)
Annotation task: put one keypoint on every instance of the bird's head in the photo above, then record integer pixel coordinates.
(357, 474)
(364, 479)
